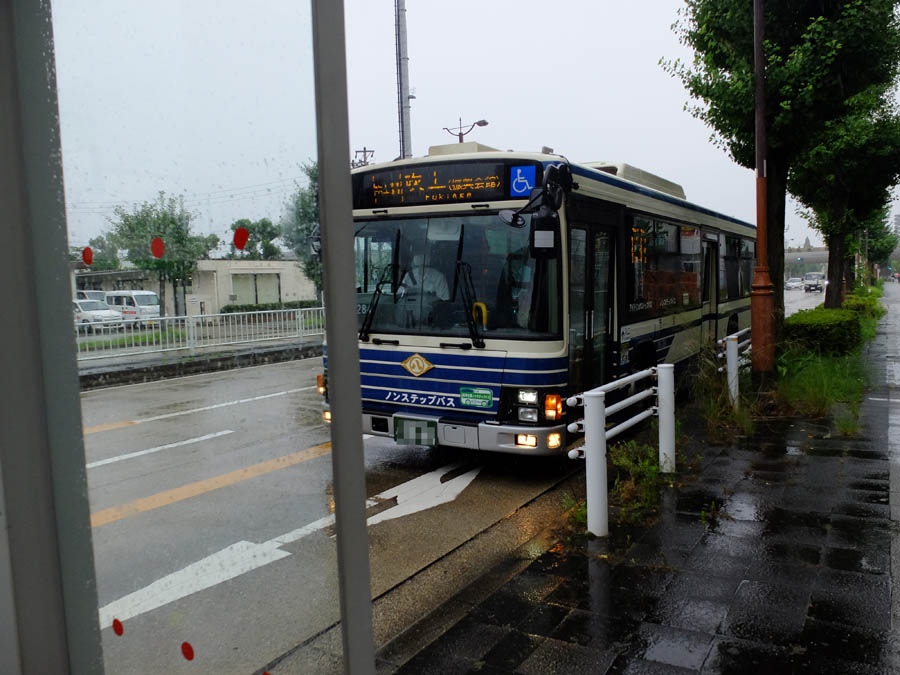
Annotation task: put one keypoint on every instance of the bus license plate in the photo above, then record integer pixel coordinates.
(408, 431)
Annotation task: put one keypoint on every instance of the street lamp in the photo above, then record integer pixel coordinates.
(458, 131)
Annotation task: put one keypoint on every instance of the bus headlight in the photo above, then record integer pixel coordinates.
(320, 383)
(554, 441)
(553, 407)
(528, 415)
(528, 396)
(526, 440)
(326, 416)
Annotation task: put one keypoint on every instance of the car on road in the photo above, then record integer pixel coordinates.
(93, 315)
(814, 282)
(792, 283)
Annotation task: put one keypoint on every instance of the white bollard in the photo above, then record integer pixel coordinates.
(665, 391)
(595, 463)
(731, 367)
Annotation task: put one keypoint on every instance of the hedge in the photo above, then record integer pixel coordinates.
(866, 305)
(826, 331)
(267, 307)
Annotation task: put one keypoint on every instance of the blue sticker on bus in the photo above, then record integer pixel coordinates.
(521, 180)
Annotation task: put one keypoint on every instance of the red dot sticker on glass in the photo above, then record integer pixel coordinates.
(187, 650)
(157, 248)
(117, 627)
(241, 235)
(87, 255)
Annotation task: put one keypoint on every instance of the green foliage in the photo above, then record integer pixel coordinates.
(106, 257)
(301, 223)
(820, 384)
(269, 306)
(864, 305)
(576, 510)
(636, 479)
(134, 230)
(261, 242)
(710, 390)
(824, 331)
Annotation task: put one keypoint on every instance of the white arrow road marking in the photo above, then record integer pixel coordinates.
(150, 451)
(418, 494)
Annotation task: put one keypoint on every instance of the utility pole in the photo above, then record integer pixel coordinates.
(762, 297)
(356, 161)
(403, 95)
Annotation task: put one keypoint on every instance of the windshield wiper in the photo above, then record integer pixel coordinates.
(464, 272)
(376, 296)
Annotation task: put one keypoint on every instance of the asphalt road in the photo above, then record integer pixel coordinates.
(211, 502)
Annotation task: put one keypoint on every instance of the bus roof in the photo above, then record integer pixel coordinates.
(620, 175)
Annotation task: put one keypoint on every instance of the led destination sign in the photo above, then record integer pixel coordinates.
(445, 183)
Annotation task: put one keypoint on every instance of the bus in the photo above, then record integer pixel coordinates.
(493, 285)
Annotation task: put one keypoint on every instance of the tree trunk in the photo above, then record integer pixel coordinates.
(162, 294)
(776, 194)
(836, 246)
(849, 273)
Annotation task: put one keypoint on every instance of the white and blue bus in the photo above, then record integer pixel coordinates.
(492, 285)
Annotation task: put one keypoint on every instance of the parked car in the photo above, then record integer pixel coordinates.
(95, 315)
(138, 307)
(792, 283)
(814, 282)
(90, 295)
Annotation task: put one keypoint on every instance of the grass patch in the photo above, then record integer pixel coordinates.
(134, 340)
(636, 480)
(710, 390)
(820, 384)
(577, 510)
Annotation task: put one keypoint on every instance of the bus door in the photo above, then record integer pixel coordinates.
(590, 305)
(710, 297)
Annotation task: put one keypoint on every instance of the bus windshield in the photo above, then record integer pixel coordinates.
(436, 270)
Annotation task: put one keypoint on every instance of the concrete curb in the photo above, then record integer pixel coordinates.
(168, 367)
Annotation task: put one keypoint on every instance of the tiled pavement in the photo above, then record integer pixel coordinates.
(790, 572)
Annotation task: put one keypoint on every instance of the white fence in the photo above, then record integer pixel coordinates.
(734, 353)
(102, 340)
(596, 434)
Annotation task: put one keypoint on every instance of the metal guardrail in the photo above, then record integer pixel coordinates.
(100, 340)
(735, 353)
(596, 434)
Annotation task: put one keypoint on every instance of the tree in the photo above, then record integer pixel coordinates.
(134, 231)
(301, 224)
(807, 246)
(260, 244)
(818, 53)
(105, 255)
(845, 176)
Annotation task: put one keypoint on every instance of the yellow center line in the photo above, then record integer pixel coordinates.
(190, 490)
(107, 427)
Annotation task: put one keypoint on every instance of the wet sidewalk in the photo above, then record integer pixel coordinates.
(776, 559)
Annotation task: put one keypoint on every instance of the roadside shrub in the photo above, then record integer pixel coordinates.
(821, 384)
(270, 306)
(866, 305)
(824, 331)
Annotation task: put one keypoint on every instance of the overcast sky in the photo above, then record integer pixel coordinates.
(213, 99)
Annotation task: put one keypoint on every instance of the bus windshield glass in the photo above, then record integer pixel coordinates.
(437, 272)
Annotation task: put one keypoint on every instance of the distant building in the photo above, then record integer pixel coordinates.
(215, 283)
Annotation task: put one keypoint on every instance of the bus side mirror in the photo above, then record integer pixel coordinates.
(544, 231)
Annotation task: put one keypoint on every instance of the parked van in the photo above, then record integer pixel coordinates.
(137, 306)
(90, 295)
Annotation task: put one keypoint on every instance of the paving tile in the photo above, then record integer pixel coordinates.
(673, 646)
(699, 586)
(859, 533)
(544, 620)
(767, 613)
(596, 630)
(556, 656)
(847, 643)
(729, 656)
(511, 651)
(626, 665)
(693, 614)
(855, 560)
(503, 609)
(862, 600)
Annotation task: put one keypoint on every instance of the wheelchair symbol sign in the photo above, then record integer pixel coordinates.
(521, 181)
